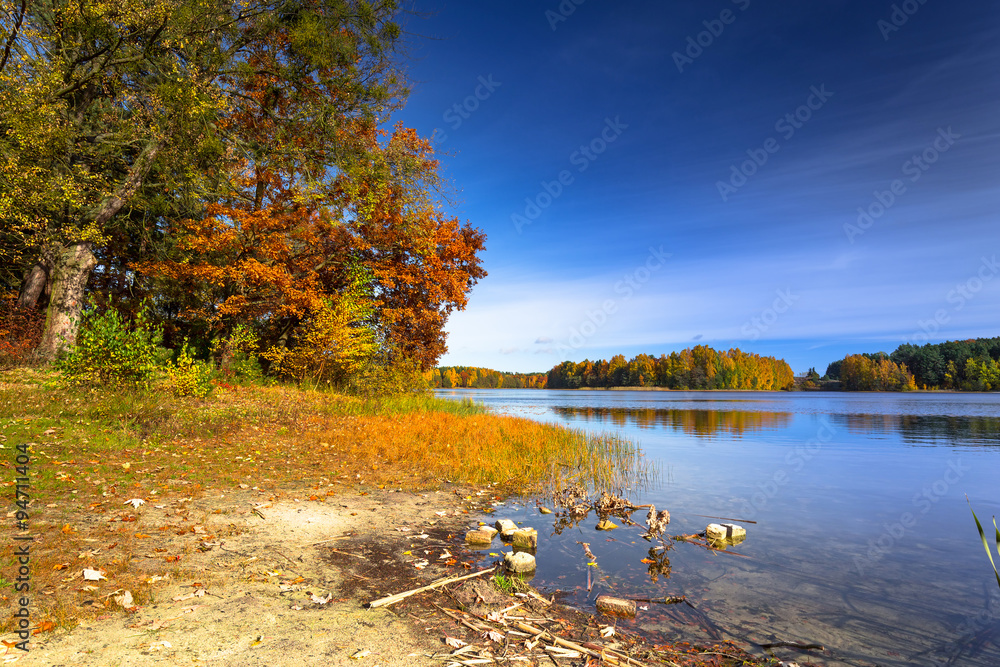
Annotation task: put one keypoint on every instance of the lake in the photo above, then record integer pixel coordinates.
(863, 540)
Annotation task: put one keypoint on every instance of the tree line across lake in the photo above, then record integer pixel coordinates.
(969, 365)
(700, 367)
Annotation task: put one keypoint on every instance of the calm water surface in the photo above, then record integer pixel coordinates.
(863, 540)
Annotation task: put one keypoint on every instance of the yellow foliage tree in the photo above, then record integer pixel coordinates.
(330, 345)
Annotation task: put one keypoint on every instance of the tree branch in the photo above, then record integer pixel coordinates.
(141, 167)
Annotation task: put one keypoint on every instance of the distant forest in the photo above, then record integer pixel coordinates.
(447, 377)
(969, 365)
(700, 367)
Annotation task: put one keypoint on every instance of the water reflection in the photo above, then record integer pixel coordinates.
(926, 429)
(929, 600)
(703, 423)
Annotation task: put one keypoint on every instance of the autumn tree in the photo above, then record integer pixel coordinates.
(105, 107)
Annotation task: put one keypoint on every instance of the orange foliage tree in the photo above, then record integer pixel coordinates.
(325, 208)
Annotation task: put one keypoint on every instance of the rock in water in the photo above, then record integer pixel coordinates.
(525, 538)
(519, 562)
(484, 537)
(725, 531)
(506, 528)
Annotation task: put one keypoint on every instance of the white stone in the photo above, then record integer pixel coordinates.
(519, 562)
(725, 531)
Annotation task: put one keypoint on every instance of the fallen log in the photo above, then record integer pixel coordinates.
(612, 606)
(392, 599)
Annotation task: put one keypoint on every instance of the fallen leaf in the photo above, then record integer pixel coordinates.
(318, 600)
(61, 566)
(360, 653)
(454, 642)
(134, 502)
(125, 600)
(494, 636)
(93, 575)
(607, 631)
(44, 626)
(160, 645)
(67, 529)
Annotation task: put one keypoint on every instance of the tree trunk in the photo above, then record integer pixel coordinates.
(70, 272)
(35, 281)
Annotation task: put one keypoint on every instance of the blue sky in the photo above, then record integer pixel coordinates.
(656, 175)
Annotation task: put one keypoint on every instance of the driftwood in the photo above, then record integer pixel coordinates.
(798, 645)
(725, 518)
(612, 606)
(612, 657)
(313, 544)
(392, 599)
(701, 542)
(667, 599)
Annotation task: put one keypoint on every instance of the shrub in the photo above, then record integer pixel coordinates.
(237, 356)
(330, 346)
(190, 376)
(109, 352)
(20, 332)
(384, 376)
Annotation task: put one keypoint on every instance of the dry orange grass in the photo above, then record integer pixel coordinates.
(91, 452)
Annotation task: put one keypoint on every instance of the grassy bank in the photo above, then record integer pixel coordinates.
(92, 452)
(283, 437)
